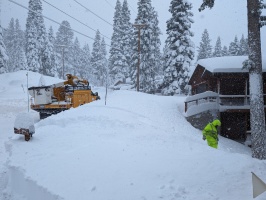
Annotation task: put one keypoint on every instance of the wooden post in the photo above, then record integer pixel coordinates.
(138, 26)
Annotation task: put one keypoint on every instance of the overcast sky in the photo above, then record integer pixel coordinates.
(227, 19)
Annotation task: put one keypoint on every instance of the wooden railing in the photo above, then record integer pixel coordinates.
(221, 100)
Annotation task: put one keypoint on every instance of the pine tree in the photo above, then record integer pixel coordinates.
(225, 51)
(234, 48)
(205, 48)
(46, 59)
(86, 62)
(102, 75)
(156, 43)
(36, 38)
(126, 41)
(22, 60)
(10, 45)
(63, 43)
(76, 58)
(117, 60)
(19, 43)
(179, 48)
(20, 35)
(145, 16)
(15, 46)
(32, 52)
(96, 58)
(243, 46)
(3, 55)
(53, 57)
(218, 48)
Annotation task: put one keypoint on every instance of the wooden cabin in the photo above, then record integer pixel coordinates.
(220, 89)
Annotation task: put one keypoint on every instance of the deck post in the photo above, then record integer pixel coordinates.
(246, 92)
(218, 90)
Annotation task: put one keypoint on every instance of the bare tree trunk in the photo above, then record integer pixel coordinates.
(257, 116)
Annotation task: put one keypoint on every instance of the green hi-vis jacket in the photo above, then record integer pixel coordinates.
(211, 134)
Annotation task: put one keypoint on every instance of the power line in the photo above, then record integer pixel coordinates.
(54, 21)
(74, 18)
(109, 4)
(93, 13)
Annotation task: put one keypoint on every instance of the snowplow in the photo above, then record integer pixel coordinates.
(52, 99)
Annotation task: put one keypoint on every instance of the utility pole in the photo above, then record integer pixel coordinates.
(63, 59)
(139, 27)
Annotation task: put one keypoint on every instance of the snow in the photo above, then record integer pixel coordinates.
(138, 146)
(226, 64)
(24, 120)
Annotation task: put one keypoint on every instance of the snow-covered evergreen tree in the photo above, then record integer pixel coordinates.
(86, 62)
(32, 52)
(19, 41)
(144, 17)
(15, 46)
(205, 48)
(117, 61)
(96, 58)
(76, 53)
(63, 42)
(54, 61)
(243, 46)
(234, 48)
(3, 55)
(46, 59)
(22, 60)
(36, 38)
(126, 41)
(11, 47)
(225, 51)
(102, 74)
(218, 48)
(156, 43)
(179, 48)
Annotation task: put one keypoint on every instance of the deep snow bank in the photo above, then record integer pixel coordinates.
(138, 146)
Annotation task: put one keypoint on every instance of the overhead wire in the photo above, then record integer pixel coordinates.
(55, 21)
(93, 13)
(74, 18)
(60, 23)
(109, 4)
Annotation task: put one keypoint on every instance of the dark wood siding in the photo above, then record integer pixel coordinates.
(232, 86)
(234, 125)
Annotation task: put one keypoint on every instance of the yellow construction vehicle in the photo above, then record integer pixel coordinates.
(52, 99)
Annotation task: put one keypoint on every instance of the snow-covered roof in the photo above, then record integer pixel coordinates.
(226, 64)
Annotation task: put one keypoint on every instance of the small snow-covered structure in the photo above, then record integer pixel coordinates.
(220, 89)
(122, 84)
(24, 124)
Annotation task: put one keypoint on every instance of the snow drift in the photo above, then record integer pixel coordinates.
(138, 146)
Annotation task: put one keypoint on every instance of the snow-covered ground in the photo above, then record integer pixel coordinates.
(138, 146)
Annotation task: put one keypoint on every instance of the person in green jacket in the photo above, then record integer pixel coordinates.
(211, 134)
